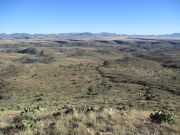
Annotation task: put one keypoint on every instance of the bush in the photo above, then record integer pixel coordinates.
(27, 110)
(160, 117)
(27, 118)
(123, 107)
(106, 63)
(28, 123)
(84, 108)
(46, 59)
(149, 97)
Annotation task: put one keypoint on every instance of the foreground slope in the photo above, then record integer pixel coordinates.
(123, 79)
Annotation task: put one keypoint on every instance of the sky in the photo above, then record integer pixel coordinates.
(71, 16)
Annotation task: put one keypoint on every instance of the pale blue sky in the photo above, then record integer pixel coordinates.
(64, 16)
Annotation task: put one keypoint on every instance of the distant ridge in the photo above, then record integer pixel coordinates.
(84, 34)
(172, 35)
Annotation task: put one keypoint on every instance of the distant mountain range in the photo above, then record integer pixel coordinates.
(85, 34)
(172, 35)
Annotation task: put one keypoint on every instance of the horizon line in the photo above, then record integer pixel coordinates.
(95, 33)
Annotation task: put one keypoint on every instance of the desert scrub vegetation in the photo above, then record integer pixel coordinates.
(108, 90)
(85, 120)
(36, 58)
(10, 69)
(137, 68)
(161, 116)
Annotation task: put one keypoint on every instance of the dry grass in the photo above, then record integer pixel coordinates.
(106, 122)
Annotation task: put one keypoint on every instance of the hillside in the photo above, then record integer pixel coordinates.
(104, 84)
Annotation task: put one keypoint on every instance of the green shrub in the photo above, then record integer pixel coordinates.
(27, 110)
(123, 107)
(30, 110)
(160, 117)
(2, 109)
(28, 123)
(149, 97)
(27, 117)
(84, 108)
